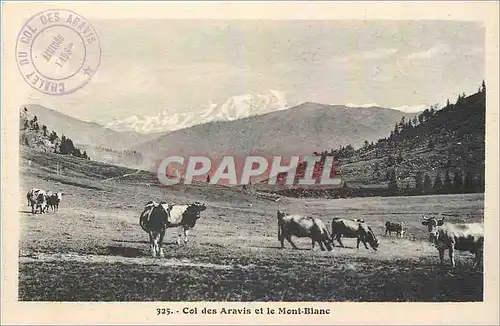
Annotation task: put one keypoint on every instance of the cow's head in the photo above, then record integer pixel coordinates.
(280, 214)
(196, 208)
(166, 207)
(59, 195)
(372, 238)
(432, 226)
(192, 214)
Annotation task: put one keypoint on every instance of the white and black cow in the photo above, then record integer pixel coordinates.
(157, 217)
(37, 199)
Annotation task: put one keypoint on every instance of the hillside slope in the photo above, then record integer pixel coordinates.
(298, 130)
(450, 142)
(87, 133)
(33, 133)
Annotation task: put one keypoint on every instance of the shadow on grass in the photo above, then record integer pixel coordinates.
(125, 251)
(131, 241)
(346, 247)
(279, 248)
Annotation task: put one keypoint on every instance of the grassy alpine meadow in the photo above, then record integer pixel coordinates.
(93, 248)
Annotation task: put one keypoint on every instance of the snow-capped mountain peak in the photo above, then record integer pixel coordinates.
(236, 107)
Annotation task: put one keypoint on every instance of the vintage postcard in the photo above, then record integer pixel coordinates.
(250, 162)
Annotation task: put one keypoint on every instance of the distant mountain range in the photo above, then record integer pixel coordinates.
(236, 107)
(300, 130)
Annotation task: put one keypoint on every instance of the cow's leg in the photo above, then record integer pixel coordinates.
(361, 240)
(441, 255)
(152, 244)
(179, 235)
(160, 244)
(328, 245)
(386, 232)
(282, 240)
(478, 258)
(289, 238)
(451, 253)
(321, 245)
(157, 244)
(339, 239)
(186, 233)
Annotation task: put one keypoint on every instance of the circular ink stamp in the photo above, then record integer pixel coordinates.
(57, 51)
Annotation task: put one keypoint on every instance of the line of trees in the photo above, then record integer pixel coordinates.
(68, 148)
(35, 136)
(442, 183)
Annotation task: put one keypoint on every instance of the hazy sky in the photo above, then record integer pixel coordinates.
(178, 65)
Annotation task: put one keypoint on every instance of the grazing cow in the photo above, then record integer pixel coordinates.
(37, 199)
(157, 217)
(53, 200)
(463, 237)
(353, 229)
(394, 227)
(302, 226)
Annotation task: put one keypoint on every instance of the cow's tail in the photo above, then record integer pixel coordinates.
(279, 231)
(280, 223)
(332, 235)
(328, 235)
(328, 239)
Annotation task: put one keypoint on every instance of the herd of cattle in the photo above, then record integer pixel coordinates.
(157, 217)
(41, 200)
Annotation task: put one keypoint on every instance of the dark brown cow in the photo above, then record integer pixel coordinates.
(394, 227)
(54, 200)
(462, 237)
(302, 226)
(353, 229)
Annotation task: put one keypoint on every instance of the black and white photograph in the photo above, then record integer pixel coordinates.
(310, 161)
